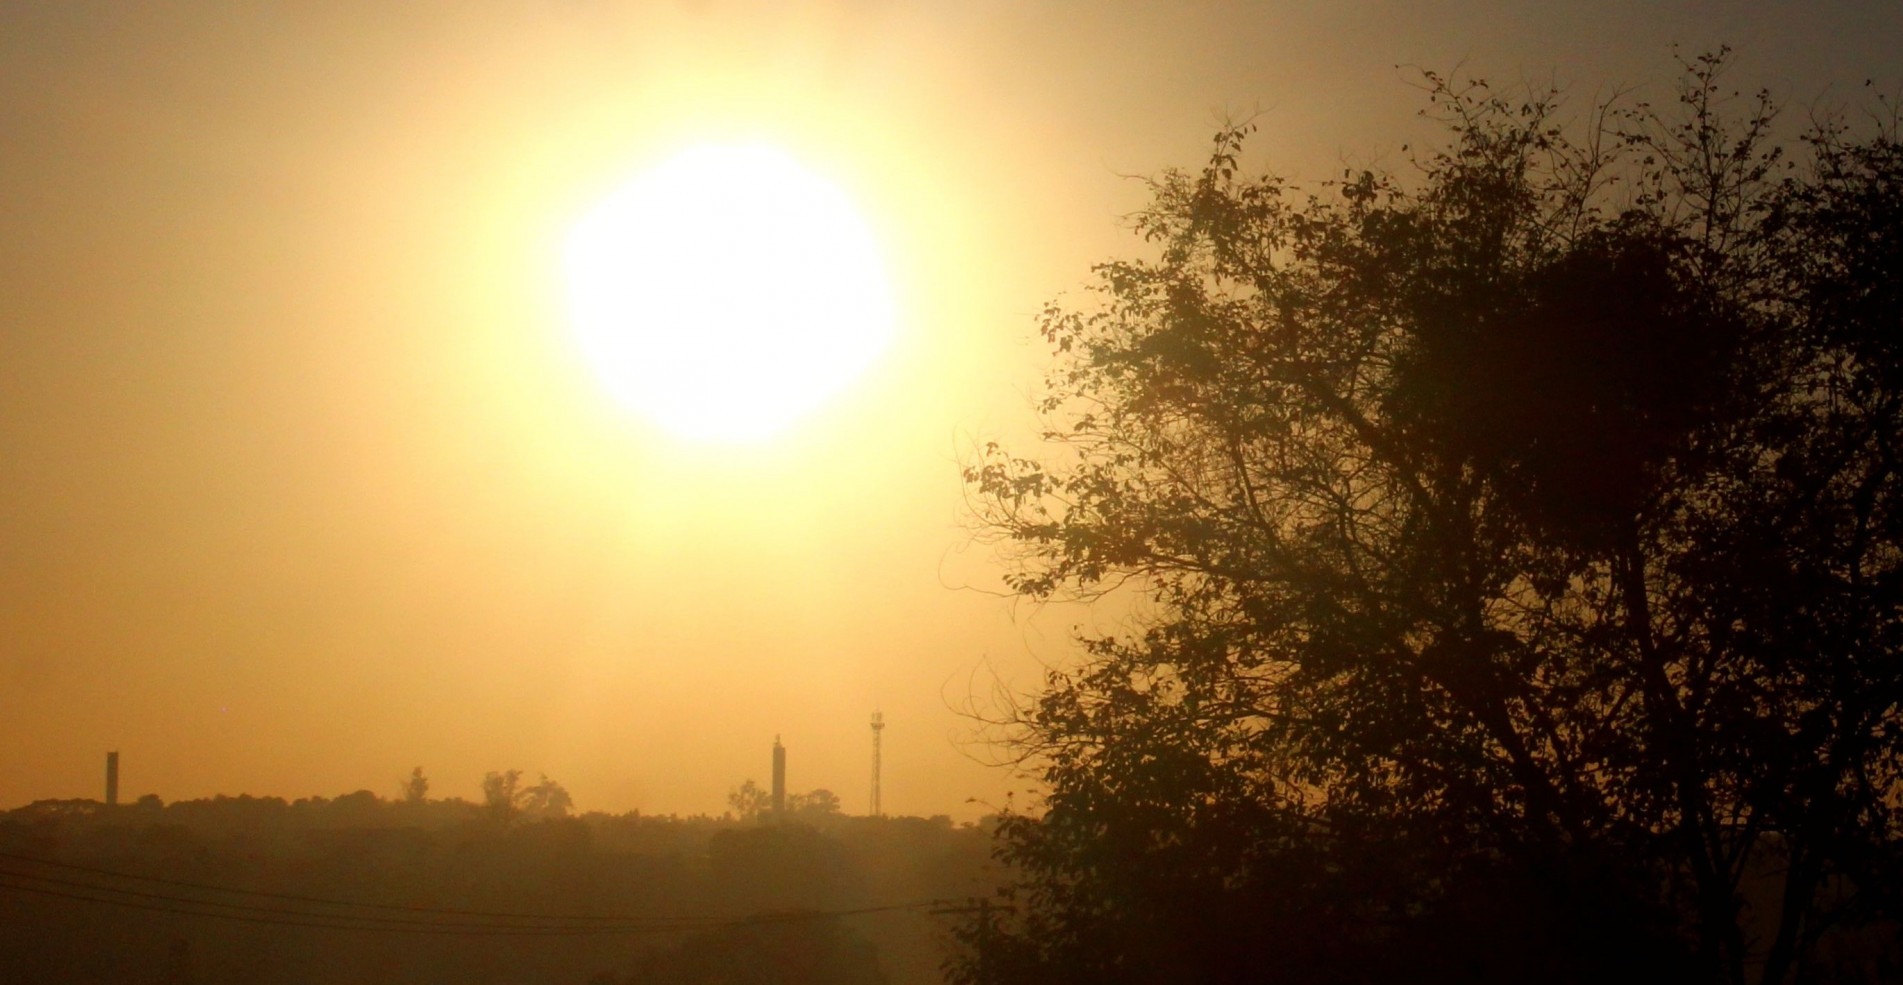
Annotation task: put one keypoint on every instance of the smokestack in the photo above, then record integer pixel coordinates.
(878, 727)
(112, 779)
(779, 776)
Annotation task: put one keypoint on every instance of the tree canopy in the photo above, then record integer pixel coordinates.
(1518, 542)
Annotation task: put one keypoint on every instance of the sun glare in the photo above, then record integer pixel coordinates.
(726, 292)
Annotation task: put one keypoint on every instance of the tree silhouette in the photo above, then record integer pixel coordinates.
(749, 802)
(813, 804)
(415, 790)
(500, 795)
(505, 798)
(1519, 553)
(546, 799)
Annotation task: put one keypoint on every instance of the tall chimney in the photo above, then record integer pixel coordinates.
(779, 776)
(112, 779)
(878, 728)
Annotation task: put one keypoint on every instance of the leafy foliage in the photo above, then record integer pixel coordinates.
(415, 790)
(506, 799)
(1522, 542)
(750, 802)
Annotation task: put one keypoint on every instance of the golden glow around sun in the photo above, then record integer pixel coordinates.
(727, 291)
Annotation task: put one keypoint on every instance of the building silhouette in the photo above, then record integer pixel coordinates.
(779, 776)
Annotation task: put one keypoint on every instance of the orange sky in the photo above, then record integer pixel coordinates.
(305, 484)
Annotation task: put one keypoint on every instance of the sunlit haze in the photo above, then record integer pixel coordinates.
(581, 387)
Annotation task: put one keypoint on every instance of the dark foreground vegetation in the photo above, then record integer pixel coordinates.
(1516, 550)
(247, 890)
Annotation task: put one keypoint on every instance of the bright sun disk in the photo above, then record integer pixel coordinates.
(726, 292)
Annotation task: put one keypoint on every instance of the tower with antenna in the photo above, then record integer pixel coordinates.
(779, 778)
(878, 726)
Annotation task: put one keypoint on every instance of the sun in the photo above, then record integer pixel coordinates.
(726, 292)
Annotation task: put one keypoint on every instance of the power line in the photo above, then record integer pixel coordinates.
(366, 922)
(554, 925)
(318, 925)
(319, 921)
(321, 901)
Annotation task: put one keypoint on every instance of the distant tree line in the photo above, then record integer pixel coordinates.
(750, 802)
(1516, 550)
(145, 892)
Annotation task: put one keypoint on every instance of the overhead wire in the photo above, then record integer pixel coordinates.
(503, 923)
(354, 921)
(321, 901)
(321, 924)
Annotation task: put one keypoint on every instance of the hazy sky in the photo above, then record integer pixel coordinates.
(305, 483)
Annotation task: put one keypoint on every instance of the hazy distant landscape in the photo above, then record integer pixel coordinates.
(1247, 491)
(365, 888)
